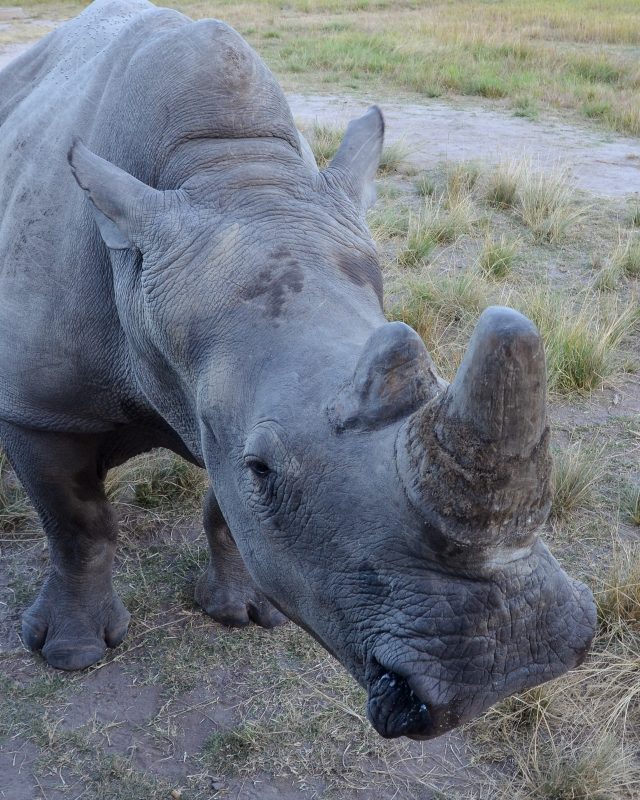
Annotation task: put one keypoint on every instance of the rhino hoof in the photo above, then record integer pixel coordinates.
(235, 607)
(69, 643)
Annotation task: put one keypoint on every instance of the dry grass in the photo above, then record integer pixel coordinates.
(631, 504)
(581, 336)
(577, 472)
(324, 141)
(502, 184)
(15, 509)
(498, 256)
(461, 179)
(627, 258)
(161, 482)
(619, 598)
(425, 186)
(623, 263)
(443, 310)
(393, 158)
(420, 241)
(546, 203)
(576, 738)
(540, 56)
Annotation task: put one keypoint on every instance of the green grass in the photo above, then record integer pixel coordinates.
(498, 257)
(393, 158)
(324, 141)
(502, 183)
(546, 203)
(420, 242)
(577, 473)
(581, 336)
(425, 186)
(627, 258)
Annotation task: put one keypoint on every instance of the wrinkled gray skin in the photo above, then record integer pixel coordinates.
(206, 289)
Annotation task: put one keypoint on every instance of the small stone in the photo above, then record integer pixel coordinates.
(176, 794)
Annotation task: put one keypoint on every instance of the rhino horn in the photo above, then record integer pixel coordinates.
(393, 377)
(477, 461)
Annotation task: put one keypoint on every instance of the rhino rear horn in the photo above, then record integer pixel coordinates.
(355, 164)
(477, 462)
(393, 377)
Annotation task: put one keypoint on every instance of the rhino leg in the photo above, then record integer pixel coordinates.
(226, 591)
(77, 614)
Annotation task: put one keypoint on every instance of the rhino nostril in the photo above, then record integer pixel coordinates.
(393, 708)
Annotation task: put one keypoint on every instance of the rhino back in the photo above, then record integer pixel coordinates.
(135, 82)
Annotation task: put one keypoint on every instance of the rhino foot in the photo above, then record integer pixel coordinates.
(73, 632)
(235, 605)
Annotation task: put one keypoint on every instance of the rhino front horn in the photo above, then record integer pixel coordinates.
(476, 461)
(393, 377)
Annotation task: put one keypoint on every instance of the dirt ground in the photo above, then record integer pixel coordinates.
(187, 709)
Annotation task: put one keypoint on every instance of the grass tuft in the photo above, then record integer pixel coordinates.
(461, 180)
(576, 473)
(618, 602)
(425, 186)
(420, 241)
(497, 257)
(627, 258)
(388, 221)
(324, 141)
(393, 158)
(501, 190)
(442, 309)
(581, 337)
(545, 203)
(631, 504)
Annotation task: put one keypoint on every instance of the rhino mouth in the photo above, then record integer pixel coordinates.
(395, 709)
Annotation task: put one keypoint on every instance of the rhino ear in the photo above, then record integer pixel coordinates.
(357, 160)
(121, 204)
(394, 376)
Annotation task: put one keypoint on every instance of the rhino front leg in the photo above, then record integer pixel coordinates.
(77, 614)
(226, 591)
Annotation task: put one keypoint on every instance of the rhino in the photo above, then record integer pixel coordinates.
(176, 272)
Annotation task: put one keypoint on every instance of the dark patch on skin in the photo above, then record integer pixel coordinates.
(362, 270)
(274, 283)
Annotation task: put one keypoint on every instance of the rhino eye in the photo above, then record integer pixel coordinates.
(258, 467)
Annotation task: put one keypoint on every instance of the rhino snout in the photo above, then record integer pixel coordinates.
(493, 638)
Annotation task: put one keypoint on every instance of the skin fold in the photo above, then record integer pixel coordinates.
(176, 272)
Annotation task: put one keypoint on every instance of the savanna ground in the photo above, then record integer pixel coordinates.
(185, 708)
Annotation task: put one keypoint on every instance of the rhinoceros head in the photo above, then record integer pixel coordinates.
(402, 526)
(391, 515)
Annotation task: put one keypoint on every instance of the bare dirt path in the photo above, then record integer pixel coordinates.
(601, 163)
